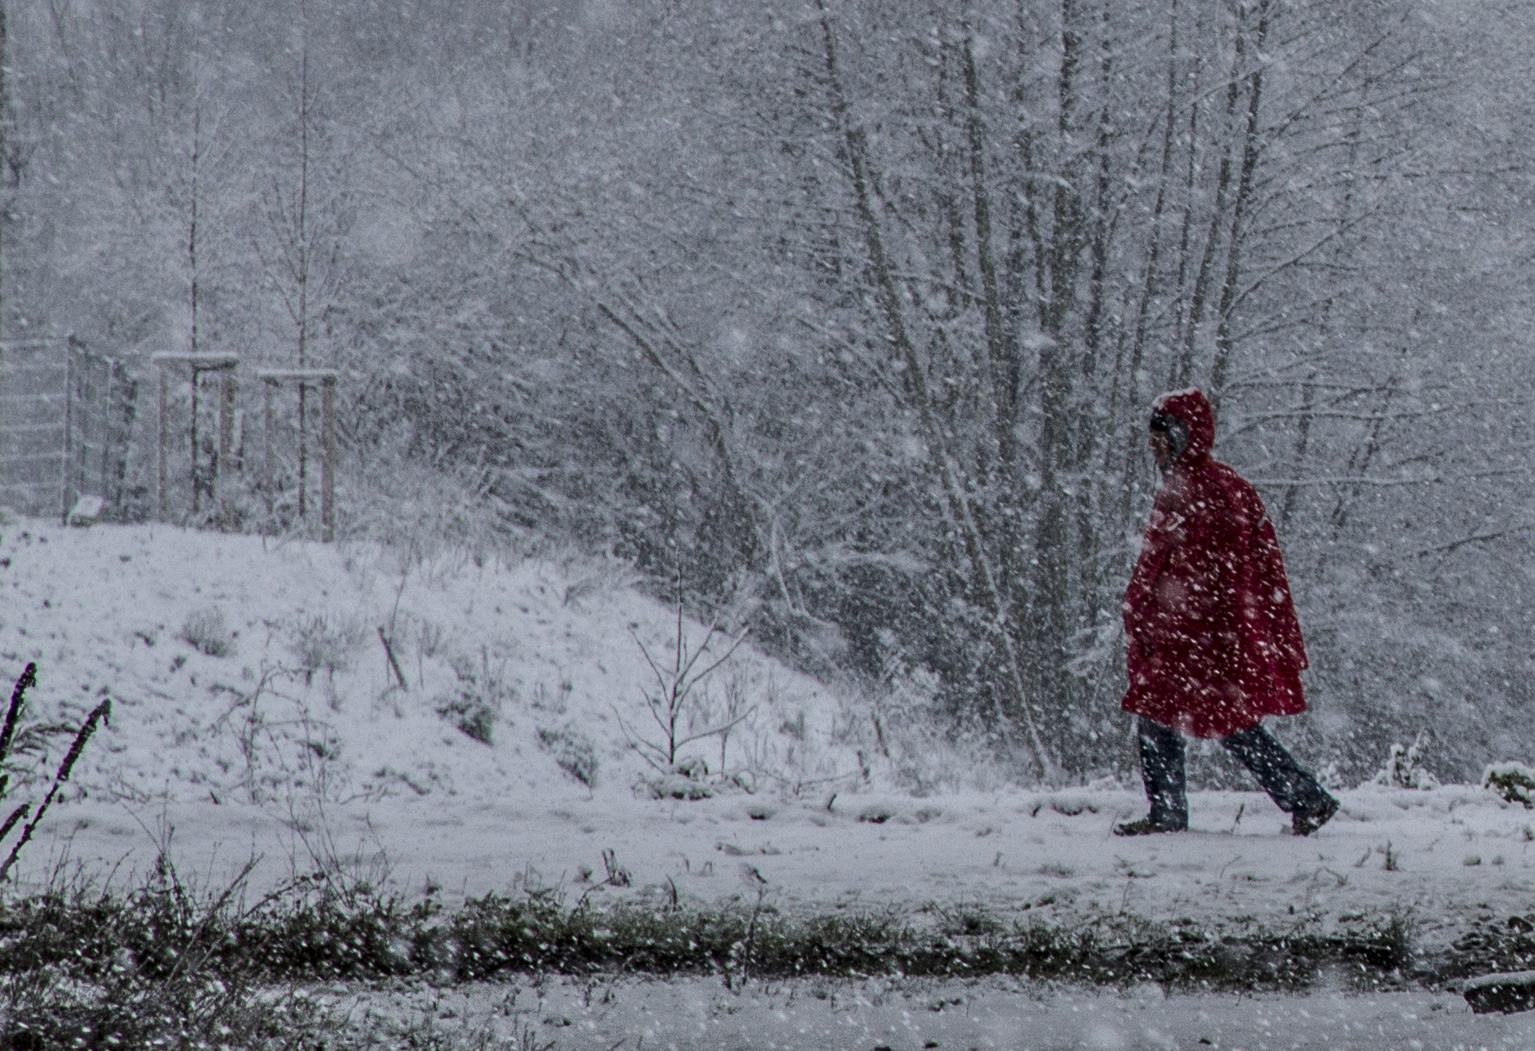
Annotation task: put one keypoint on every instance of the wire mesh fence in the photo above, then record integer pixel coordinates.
(164, 437)
(66, 426)
(34, 423)
(101, 409)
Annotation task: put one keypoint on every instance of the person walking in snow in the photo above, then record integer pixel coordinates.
(1213, 645)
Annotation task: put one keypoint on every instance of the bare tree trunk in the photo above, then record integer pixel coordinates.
(947, 195)
(1093, 344)
(11, 170)
(1049, 619)
(1000, 366)
(1027, 252)
(303, 257)
(914, 378)
(1198, 298)
(1150, 281)
(1094, 425)
(1251, 146)
(1324, 329)
(196, 164)
(1302, 444)
(1030, 225)
(1025, 213)
(1177, 377)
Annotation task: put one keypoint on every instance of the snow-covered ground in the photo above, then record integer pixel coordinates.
(906, 1016)
(295, 742)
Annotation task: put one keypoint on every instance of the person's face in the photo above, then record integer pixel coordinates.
(1161, 449)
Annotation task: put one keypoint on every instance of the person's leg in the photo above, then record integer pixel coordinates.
(1294, 790)
(1162, 770)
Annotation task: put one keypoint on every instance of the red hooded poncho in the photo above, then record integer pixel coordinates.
(1213, 643)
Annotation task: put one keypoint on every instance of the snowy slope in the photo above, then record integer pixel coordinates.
(305, 697)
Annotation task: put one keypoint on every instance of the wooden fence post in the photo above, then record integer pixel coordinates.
(269, 472)
(162, 451)
(226, 426)
(328, 467)
(197, 489)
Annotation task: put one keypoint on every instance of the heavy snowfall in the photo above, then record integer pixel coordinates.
(688, 460)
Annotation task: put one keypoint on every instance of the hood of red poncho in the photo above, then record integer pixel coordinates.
(1194, 409)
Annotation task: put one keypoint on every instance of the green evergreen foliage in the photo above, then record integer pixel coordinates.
(1515, 782)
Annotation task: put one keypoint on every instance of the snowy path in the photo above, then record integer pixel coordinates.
(1013, 851)
(907, 1016)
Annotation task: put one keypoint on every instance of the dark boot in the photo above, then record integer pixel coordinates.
(1166, 786)
(1305, 824)
(1292, 789)
(1145, 827)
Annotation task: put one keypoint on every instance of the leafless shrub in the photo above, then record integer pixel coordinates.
(572, 750)
(475, 705)
(326, 642)
(206, 631)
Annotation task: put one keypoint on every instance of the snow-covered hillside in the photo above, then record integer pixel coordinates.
(245, 671)
(252, 677)
(294, 741)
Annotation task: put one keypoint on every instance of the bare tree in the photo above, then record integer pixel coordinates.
(1021, 368)
(305, 211)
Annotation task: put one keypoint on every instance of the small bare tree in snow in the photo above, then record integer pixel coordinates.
(679, 691)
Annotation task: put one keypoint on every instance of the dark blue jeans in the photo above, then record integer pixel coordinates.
(1293, 789)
